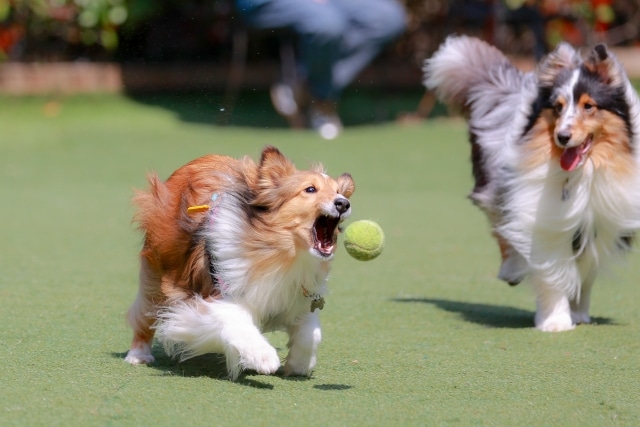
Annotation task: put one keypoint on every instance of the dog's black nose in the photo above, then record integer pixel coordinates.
(342, 205)
(564, 137)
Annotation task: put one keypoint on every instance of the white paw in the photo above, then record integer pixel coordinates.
(558, 322)
(264, 361)
(139, 357)
(299, 367)
(580, 318)
(259, 357)
(301, 360)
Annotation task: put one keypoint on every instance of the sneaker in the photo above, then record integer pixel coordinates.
(324, 119)
(284, 100)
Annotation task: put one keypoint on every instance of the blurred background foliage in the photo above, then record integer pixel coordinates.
(199, 30)
(98, 30)
(513, 25)
(60, 29)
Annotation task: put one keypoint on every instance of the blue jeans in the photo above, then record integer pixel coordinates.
(338, 38)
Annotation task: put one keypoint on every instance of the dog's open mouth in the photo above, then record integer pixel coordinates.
(572, 156)
(324, 234)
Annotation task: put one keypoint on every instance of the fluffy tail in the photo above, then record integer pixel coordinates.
(161, 216)
(153, 206)
(463, 64)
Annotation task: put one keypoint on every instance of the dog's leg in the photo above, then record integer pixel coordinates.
(192, 328)
(304, 339)
(580, 306)
(514, 267)
(141, 317)
(245, 347)
(553, 313)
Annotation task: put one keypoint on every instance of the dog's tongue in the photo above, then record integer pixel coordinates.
(570, 158)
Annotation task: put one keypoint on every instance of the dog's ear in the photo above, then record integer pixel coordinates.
(564, 57)
(273, 167)
(603, 63)
(346, 186)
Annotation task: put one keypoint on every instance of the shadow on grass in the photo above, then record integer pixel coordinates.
(332, 387)
(208, 365)
(213, 366)
(493, 316)
(489, 315)
(253, 107)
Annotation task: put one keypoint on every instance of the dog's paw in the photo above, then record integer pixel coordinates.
(557, 322)
(137, 356)
(264, 362)
(300, 362)
(299, 369)
(259, 357)
(580, 318)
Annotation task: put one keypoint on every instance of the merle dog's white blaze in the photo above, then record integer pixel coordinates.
(569, 113)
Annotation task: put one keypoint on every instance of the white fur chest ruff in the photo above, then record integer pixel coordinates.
(565, 225)
(276, 296)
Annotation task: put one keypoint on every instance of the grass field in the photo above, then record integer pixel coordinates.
(423, 335)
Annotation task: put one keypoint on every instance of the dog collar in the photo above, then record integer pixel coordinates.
(317, 300)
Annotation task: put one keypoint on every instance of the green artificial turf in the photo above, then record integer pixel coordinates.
(423, 335)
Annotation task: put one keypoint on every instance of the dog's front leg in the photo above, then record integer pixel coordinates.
(197, 327)
(244, 346)
(553, 313)
(580, 305)
(304, 338)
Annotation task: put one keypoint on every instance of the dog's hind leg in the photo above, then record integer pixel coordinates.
(304, 339)
(141, 316)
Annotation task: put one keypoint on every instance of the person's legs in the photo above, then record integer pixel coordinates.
(343, 35)
(338, 38)
(372, 24)
(319, 26)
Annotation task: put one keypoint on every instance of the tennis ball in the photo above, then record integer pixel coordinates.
(364, 240)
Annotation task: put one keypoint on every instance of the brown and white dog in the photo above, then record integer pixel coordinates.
(233, 249)
(556, 161)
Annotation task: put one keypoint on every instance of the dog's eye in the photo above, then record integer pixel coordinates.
(557, 107)
(588, 107)
(310, 189)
